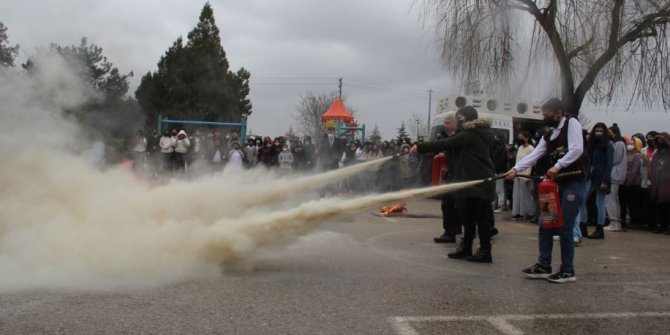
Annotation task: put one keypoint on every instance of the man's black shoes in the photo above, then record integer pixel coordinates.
(445, 238)
(462, 252)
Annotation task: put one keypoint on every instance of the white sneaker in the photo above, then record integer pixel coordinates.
(614, 227)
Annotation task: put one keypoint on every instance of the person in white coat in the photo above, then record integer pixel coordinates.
(181, 146)
(167, 149)
(619, 167)
(523, 205)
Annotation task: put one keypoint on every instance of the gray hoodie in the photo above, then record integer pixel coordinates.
(619, 163)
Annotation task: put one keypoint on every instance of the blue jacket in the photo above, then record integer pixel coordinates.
(600, 167)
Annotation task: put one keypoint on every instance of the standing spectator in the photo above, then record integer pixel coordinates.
(646, 153)
(299, 157)
(139, 151)
(310, 153)
(348, 159)
(217, 156)
(330, 150)
(265, 154)
(499, 157)
(276, 150)
(659, 177)
(630, 192)
(235, 156)
(349, 156)
(376, 178)
(405, 174)
(508, 185)
(167, 149)
(153, 153)
(181, 146)
(389, 172)
(600, 152)
(522, 199)
(285, 159)
(251, 153)
(619, 164)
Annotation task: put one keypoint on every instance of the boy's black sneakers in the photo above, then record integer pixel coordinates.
(537, 271)
(562, 277)
(481, 256)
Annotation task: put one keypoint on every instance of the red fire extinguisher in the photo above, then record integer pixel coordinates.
(439, 168)
(551, 216)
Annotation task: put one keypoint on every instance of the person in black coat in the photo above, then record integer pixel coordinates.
(330, 150)
(471, 161)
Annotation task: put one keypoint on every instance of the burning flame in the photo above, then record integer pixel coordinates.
(394, 209)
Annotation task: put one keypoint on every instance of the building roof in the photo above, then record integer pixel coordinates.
(337, 111)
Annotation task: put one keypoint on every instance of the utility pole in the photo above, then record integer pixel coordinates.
(430, 100)
(340, 86)
(418, 129)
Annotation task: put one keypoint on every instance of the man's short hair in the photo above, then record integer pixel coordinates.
(554, 104)
(450, 115)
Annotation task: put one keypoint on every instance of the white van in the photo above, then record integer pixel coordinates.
(508, 118)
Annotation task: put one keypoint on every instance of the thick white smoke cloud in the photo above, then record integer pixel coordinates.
(66, 223)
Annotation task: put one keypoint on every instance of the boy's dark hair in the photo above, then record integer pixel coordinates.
(469, 113)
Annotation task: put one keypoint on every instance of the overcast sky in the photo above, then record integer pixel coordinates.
(386, 58)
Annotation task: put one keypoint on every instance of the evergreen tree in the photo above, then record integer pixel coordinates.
(88, 61)
(111, 115)
(375, 136)
(402, 133)
(7, 53)
(193, 80)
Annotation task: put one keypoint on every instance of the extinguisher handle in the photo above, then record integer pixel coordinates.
(529, 177)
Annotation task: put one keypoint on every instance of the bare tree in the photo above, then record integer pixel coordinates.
(417, 126)
(310, 109)
(597, 45)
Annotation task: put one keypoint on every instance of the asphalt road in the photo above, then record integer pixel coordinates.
(372, 275)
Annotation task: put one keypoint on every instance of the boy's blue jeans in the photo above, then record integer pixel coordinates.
(572, 194)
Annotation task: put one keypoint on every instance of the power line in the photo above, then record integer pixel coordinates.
(288, 84)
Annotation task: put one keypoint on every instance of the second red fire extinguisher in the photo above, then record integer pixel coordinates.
(551, 216)
(439, 168)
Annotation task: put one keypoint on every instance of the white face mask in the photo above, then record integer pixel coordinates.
(630, 147)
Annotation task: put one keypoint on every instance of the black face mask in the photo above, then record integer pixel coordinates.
(520, 142)
(459, 124)
(650, 143)
(550, 122)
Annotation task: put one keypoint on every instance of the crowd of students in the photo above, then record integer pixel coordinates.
(627, 186)
(178, 153)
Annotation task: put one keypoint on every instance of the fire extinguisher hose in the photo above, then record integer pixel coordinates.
(501, 176)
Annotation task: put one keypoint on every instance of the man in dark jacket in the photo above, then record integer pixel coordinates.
(659, 176)
(450, 222)
(471, 160)
(330, 150)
